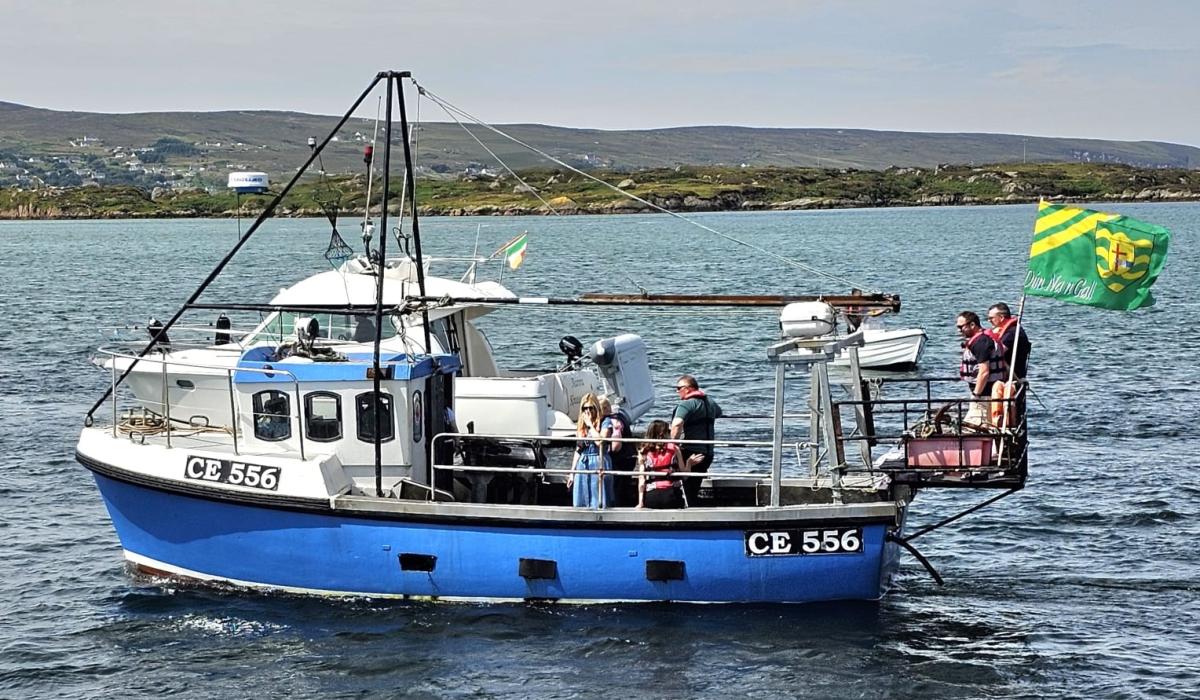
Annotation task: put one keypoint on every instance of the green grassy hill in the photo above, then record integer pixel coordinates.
(71, 148)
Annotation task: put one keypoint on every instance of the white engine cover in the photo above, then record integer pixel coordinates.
(625, 365)
(807, 319)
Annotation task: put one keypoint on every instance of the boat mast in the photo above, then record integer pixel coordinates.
(410, 182)
(381, 267)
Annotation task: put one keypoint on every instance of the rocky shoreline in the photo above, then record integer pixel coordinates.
(725, 203)
(680, 189)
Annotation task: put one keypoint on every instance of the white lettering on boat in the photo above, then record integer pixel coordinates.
(777, 543)
(227, 471)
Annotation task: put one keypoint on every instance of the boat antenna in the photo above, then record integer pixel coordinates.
(448, 107)
(410, 187)
(474, 255)
(267, 212)
(410, 134)
(369, 160)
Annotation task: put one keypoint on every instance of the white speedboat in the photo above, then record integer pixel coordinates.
(489, 399)
(887, 348)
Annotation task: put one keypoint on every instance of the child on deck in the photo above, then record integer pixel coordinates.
(658, 462)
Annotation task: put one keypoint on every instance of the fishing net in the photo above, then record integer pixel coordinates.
(337, 252)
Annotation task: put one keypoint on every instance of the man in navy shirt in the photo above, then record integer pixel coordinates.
(981, 364)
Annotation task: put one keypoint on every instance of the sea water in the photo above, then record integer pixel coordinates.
(1084, 584)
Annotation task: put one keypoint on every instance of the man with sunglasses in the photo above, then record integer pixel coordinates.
(694, 419)
(981, 366)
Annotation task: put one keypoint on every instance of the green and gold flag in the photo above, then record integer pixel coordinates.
(1094, 258)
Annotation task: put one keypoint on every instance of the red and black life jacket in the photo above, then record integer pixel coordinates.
(660, 463)
(969, 366)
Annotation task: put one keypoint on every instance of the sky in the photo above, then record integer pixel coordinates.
(1068, 68)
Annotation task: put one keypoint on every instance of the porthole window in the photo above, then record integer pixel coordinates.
(272, 416)
(322, 416)
(365, 417)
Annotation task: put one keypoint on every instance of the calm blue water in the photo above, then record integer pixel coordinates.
(1085, 584)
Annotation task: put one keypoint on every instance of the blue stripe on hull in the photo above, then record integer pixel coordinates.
(345, 554)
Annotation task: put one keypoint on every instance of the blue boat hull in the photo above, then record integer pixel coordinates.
(344, 554)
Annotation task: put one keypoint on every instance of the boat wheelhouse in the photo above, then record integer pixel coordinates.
(190, 383)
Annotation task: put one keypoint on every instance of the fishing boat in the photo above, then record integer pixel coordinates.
(344, 472)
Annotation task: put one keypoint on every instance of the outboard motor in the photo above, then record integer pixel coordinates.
(307, 331)
(625, 365)
(222, 336)
(807, 319)
(572, 348)
(158, 333)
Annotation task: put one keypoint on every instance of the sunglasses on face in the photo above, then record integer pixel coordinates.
(960, 327)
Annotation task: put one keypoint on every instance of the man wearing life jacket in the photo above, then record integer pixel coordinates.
(981, 365)
(1008, 334)
(694, 419)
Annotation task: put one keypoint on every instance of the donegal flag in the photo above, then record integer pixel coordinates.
(515, 252)
(1093, 258)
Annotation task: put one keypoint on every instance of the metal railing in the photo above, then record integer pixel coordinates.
(295, 417)
(939, 418)
(604, 450)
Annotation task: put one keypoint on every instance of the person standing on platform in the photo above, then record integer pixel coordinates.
(1008, 334)
(981, 365)
(694, 419)
(1012, 341)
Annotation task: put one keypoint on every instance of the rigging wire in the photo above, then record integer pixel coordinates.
(524, 185)
(445, 105)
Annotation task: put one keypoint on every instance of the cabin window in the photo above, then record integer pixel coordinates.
(365, 415)
(278, 326)
(272, 416)
(440, 329)
(323, 416)
(356, 328)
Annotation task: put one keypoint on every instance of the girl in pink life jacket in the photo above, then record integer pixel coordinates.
(658, 461)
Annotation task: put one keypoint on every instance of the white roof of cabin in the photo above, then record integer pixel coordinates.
(336, 287)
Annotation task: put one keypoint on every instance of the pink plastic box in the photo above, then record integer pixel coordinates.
(945, 452)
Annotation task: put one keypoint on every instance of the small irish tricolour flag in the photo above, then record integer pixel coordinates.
(514, 253)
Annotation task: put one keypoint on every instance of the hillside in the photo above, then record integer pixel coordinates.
(41, 147)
